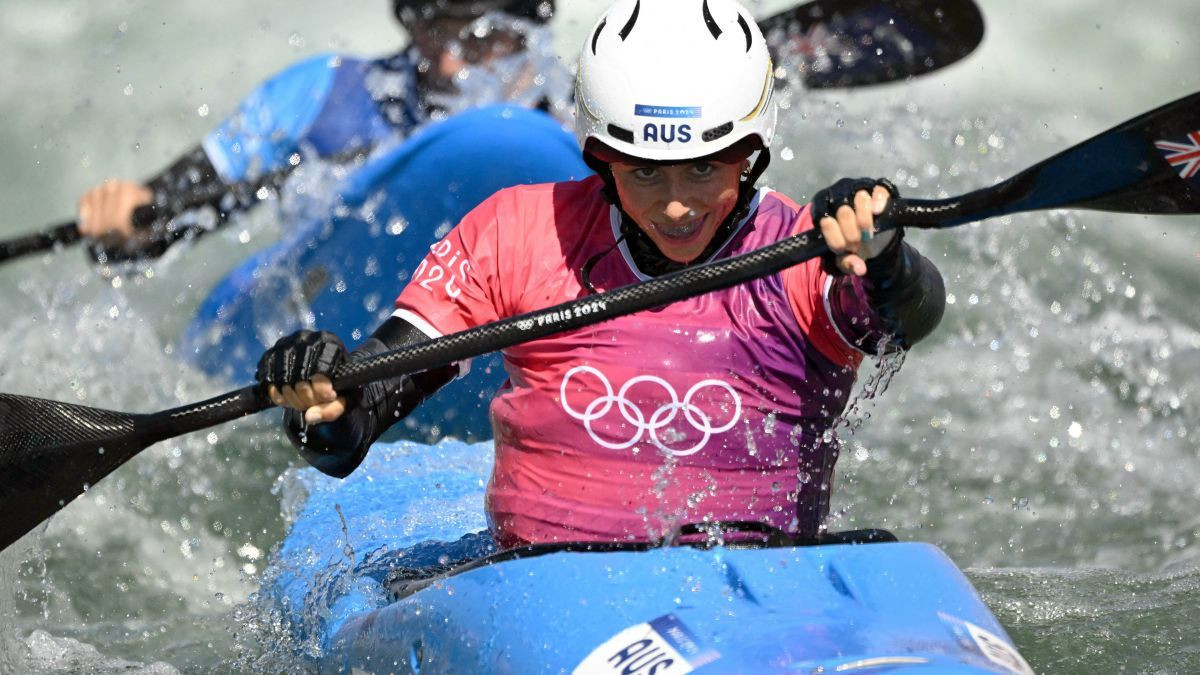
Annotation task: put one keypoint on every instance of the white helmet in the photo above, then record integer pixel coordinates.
(671, 80)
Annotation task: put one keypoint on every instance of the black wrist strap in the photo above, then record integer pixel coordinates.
(191, 182)
(907, 292)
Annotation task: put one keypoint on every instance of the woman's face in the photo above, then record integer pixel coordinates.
(678, 206)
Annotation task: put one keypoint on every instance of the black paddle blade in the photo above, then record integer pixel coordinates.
(853, 43)
(50, 453)
(1149, 164)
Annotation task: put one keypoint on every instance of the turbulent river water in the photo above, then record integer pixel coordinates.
(1046, 437)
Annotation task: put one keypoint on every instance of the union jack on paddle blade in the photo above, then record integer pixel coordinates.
(1185, 155)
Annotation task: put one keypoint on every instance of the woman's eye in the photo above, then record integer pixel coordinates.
(644, 173)
(702, 168)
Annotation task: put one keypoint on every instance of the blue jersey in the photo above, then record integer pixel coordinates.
(327, 105)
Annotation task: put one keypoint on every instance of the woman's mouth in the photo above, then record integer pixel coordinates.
(680, 231)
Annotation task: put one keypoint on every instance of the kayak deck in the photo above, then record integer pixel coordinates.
(830, 608)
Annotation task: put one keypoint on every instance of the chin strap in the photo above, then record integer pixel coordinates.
(645, 254)
(749, 180)
(603, 170)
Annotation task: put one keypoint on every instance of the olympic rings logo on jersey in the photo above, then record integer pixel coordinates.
(662, 416)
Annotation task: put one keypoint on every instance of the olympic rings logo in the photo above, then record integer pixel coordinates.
(657, 420)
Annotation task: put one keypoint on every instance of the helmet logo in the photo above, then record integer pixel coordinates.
(642, 110)
(654, 132)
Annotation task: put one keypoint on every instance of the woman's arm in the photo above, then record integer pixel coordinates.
(885, 295)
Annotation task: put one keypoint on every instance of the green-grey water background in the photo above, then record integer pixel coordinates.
(1045, 437)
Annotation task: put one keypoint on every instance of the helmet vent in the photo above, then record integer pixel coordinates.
(596, 36)
(746, 30)
(710, 22)
(716, 132)
(632, 20)
(624, 135)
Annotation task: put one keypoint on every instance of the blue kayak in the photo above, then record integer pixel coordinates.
(828, 608)
(340, 272)
(366, 592)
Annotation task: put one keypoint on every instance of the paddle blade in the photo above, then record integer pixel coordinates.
(1149, 164)
(50, 453)
(853, 43)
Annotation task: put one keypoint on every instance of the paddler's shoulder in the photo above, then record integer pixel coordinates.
(772, 203)
(773, 199)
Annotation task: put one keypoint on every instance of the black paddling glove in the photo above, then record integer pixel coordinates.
(827, 202)
(299, 357)
(337, 448)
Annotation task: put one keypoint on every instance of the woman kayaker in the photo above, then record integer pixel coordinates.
(329, 106)
(717, 408)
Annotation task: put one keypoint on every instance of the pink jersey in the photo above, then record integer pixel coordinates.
(715, 408)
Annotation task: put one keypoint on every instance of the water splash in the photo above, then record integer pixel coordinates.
(531, 78)
(415, 505)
